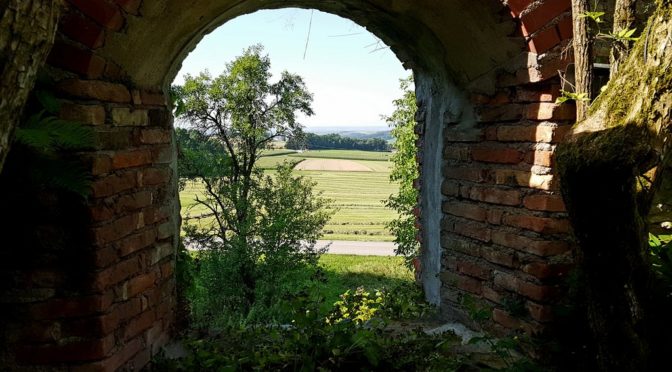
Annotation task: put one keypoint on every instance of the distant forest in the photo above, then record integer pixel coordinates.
(311, 141)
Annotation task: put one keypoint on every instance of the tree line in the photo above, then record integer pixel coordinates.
(312, 141)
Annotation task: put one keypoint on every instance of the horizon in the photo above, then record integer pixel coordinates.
(353, 76)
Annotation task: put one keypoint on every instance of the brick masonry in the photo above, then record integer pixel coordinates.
(504, 233)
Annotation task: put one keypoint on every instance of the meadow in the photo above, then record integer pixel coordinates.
(357, 197)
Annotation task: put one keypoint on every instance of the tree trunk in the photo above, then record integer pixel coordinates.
(583, 55)
(624, 19)
(625, 134)
(27, 30)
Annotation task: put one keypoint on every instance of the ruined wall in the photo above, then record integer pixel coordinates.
(505, 233)
(493, 225)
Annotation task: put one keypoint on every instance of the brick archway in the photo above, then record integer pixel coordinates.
(493, 225)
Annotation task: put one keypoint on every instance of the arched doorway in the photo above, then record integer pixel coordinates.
(483, 96)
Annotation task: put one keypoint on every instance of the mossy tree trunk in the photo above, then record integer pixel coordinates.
(625, 135)
(27, 30)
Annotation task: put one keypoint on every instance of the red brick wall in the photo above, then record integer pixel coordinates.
(122, 311)
(505, 234)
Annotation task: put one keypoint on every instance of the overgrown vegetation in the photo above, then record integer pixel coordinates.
(263, 228)
(405, 172)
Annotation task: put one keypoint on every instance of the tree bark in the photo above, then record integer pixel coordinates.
(27, 30)
(626, 133)
(583, 55)
(624, 19)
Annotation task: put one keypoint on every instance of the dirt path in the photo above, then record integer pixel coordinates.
(358, 248)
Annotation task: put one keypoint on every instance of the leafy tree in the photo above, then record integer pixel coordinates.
(262, 226)
(314, 141)
(404, 171)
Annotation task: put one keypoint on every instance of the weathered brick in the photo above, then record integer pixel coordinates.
(549, 111)
(104, 13)
(123, 116)
(500, 113)
(113, 184)
(155, 136)
(166, 230)
(538, 312)
(83, 30)
(450, 242)
(161, 251)
(141, 283)
(156, 176)
(118, 229)
(473, 269)
(450, 188)
(547, 203)
(75, 350)
(70, 307)
(466, 210)
(100, 164)
(525, 94)
(541, 293)
(95, 89)
(500, 155)
(523, 178)
(133, 202)
(544, 40)
(162, 154)
(78, 60)
(130, 159)
(543, 225)
(495, 195)
(137, 242)
(540, 157)
(499, 256)
(545, 270)
(491, 294)
(130, 6)
(473, 230)
(505, 319)
(117, 273)
(543, 248)
(543, 14)
(138, 324)
(152, 98)
(466, 174)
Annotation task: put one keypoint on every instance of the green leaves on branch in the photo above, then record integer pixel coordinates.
(566, 96)
(405, 171)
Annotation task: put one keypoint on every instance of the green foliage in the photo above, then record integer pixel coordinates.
(42, 153)
(405, 171)
(339, 341)
(566, 96)
(661, 256)
(263, 228)
(594, 16)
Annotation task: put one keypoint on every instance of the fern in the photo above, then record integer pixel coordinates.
(45, 141)
(50, 134)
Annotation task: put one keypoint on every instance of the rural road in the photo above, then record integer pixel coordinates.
(358, 248)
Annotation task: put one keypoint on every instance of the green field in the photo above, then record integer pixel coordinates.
(357, 196)
(380, 160)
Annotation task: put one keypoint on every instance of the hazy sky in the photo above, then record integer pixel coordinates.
(353, 83)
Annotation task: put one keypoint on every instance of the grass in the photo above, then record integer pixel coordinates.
(372, 272)
(357, 196)
(379, 160)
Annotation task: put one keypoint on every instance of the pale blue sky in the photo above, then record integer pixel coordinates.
(352, 82)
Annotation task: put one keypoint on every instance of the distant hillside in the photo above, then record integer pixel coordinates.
(385, 135)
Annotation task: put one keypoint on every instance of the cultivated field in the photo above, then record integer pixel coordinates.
(357, 196)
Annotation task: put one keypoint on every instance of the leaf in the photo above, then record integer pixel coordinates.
(48, 101)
